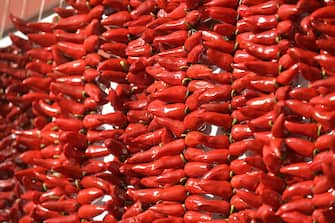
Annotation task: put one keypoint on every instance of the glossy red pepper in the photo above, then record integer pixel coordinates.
(266, 8)
(216, 156)
(167, 177)
(175, 193)
(302, 170)
(240, 147)
(190, 19)
(171, 148)
(169, 208)
(163, 110)
(257, 23)
(196, 216)
(73, 218)
(324, 12)
(220, 59)
(195, 138)
(174, 39)
(224, 15)
(151, 138)
(199, 203)
(88, 211)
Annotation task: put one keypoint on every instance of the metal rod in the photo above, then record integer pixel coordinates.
(41, 10)
(4, 18)
(23, 9)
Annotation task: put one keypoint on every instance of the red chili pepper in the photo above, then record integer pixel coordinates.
(221, 45)
(278, 126)
(287, 11)
(169, 208)
(174, 193)
(171, 95)
(240, 147)
(219, 172)
(266, 8)
(174, 39)
(240, 132)
(44, 213)
(307, 129)
(294, 216)
(302, 170)
(168, 219)
(161, 109)
(156, 167)
(240, 57)
(94, 120)
(216, 156)
(324, 12)
(326, 44)
(88, 211)
(143, 8)
(215, 187)
(220, 93)
(304, 205)
(224, 15)
(73, 218)
(145, 217)
(172, 148)
(72, 23)
(167, 177)
(192, 186)
(172, 63)
(199, 203)
(86, 196)
(324, 117)
(322, 215)
(93, 166)
(116, 19)
(69, 205)
(133, 210)
(240, 167)
(92, 181)
(300, 189)
(195, 138)
(250, 198)
(303, 93)
(196, 169)
(74, 50)
(38, 66)
(220, 59)
(223, 107)
(73, 67)
(196, 119)
(20, 42)
(192, 41)
(257, 23)
(298, 107)
(199, 85)
(225, 29)
(221, 3)
(190, 19)
(150, 139)
(194, 55)
(196, 216)
(263, 67)
(321, 184)
(325, 142)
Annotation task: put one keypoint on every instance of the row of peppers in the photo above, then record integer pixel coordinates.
(271, 162)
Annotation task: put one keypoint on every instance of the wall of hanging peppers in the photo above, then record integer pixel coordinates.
(170, 111)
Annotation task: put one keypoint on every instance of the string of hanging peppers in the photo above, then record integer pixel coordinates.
(222, 111)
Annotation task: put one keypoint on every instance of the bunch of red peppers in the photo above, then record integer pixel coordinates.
(218, 111)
